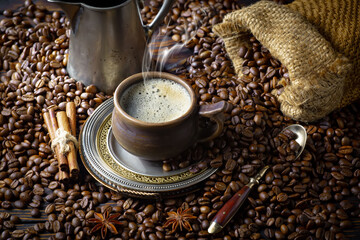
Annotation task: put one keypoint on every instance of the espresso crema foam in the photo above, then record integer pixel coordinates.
(156, 100)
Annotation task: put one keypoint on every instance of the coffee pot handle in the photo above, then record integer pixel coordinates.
(215, 112)
(164, 10)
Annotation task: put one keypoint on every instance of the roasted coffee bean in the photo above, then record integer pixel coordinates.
(230, 165)
(216, 163)
(15, 219)
(19, 204)
(242, 51)
(60, 235)
(269, 233)
(149, 209)
(35, 212)
(263, 196)
(269, 177)
(325, 196)
(18, 233)
(50, 208)
(220, 186)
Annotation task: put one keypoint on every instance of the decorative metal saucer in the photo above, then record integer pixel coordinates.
(121, 171)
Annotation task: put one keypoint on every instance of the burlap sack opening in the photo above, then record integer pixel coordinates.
(318, 42)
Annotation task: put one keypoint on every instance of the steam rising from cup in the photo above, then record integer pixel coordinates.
(162, 54)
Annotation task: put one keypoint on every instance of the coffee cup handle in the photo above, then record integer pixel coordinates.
(215, 112)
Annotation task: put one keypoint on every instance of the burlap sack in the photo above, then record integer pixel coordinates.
(317, 40)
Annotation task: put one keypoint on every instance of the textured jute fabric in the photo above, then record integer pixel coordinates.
(317, 40)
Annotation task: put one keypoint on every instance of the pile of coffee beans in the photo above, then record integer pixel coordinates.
(313, 197)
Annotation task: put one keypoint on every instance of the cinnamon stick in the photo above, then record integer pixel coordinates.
(71, 157)
(71, 114)
(63, 177)
(52, 126)
(47, 121)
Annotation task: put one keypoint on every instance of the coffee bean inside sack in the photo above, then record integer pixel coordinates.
(260, 66)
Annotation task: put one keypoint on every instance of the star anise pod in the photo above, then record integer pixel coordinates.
(104, 222)
(179, 218)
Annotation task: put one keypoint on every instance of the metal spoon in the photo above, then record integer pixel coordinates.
(226, 213)
(301, 136)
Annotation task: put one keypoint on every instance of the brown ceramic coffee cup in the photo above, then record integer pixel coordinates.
(158, 119)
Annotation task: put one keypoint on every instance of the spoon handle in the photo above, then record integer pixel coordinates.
(230, 208)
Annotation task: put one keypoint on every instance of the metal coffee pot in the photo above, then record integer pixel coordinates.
(107, 39)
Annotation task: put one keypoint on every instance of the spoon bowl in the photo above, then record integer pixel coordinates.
(301, 136)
